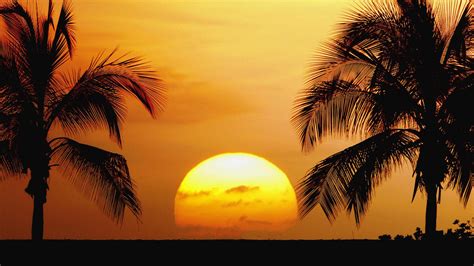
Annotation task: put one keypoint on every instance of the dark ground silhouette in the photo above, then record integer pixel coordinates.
(231, 252)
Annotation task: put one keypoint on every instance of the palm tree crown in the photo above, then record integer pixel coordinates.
(34, 96)
(399, 74)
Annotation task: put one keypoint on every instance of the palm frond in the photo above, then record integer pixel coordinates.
(10, 163)
(30, 48)
(21, 39)
(96, 96)
(344, 108)
(91, 106)
(366, 31)
(362, 53)
(370, 25)
(64, 36)
(458, 129)
(103, 176)
(47, 24)
(17, 16)
(15, 97)
(331, 107)
(17, 117)
(347, 179)
(460, 165)
(457, 25)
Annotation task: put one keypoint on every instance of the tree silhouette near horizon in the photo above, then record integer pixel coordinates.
(398, 74)
(35, 97)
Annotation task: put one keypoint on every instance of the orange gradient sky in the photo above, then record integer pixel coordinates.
(232, 70)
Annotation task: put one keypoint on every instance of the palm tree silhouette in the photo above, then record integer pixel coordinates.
(399, 74)
(34, 97)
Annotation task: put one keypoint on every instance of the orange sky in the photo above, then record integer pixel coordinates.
(232, 69)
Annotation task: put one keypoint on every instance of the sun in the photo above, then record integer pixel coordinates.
(237, 191)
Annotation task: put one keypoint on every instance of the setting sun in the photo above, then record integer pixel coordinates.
(237, 191)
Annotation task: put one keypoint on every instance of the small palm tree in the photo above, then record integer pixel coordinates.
(400, 75)
(34, 97)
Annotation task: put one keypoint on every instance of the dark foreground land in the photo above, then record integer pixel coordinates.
(235, 252)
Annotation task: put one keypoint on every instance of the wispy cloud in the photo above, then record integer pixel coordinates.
(245, 219)
(191, 101)
(232, 204)
(241, 202)
(187, 18)
(184, 195)
(242, 189)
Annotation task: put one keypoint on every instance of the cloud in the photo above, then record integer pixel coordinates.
(184, 195)
(232, 204)
(244, 219)
(192, 101)
(187, 18)
(241, 202)
(241, 189)
(139, 12)
(205, 232)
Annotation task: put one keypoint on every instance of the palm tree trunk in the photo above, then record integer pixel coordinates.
(38, 220)
(433, 170)
(431, 210)
(37, 188)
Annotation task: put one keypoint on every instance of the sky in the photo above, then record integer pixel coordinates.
(232, 70)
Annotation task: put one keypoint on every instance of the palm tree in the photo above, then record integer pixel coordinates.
(35, 97)
(398, 74)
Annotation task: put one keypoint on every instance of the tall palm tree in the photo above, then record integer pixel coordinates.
(34, 97)
(398, 74)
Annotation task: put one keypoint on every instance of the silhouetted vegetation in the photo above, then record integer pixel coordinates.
(399, 75)
(462, 232)
(385, 237)
(35, 97)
